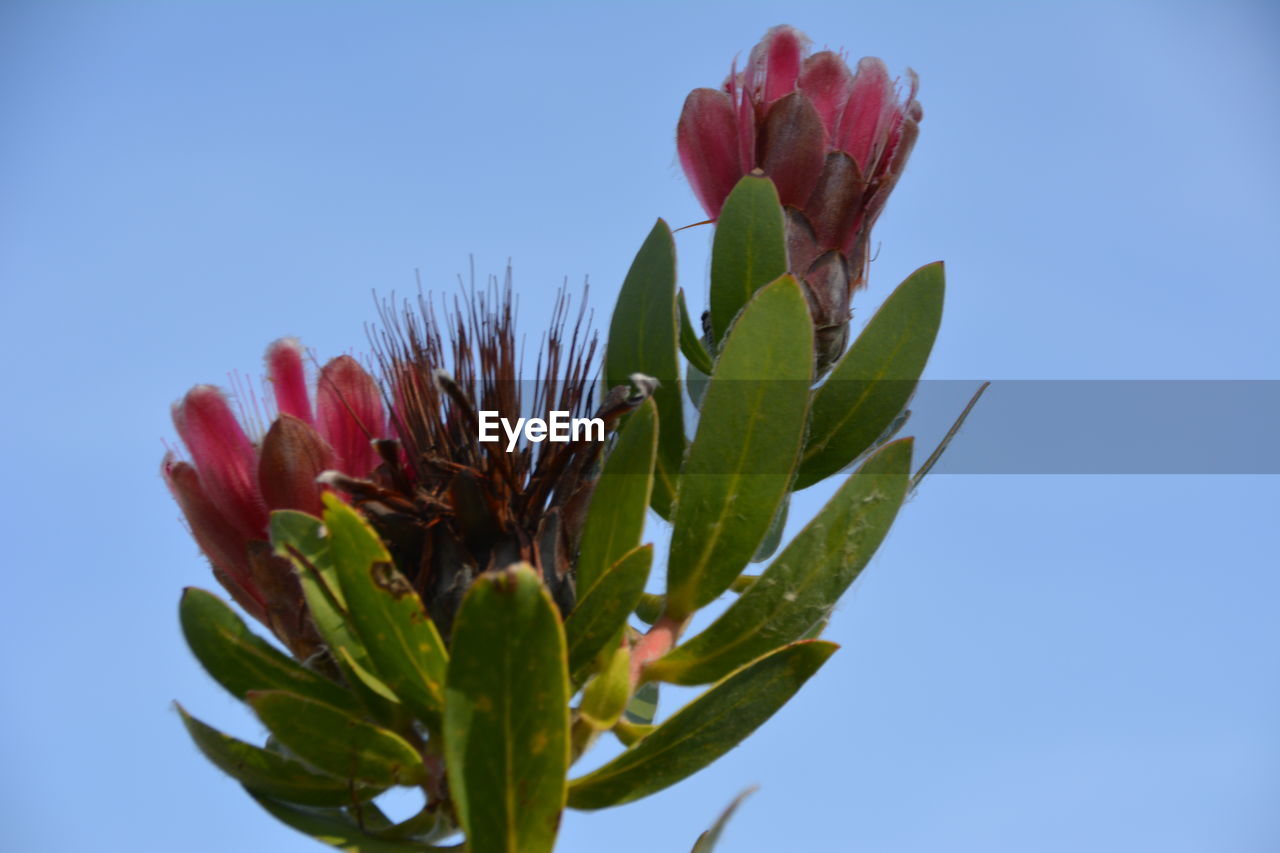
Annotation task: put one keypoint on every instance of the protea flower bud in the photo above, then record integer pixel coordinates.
(833, 141)
(232, 483)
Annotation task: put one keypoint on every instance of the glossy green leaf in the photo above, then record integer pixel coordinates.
(402, 641)
(340, 828)
(708, 840)
(605, 697)
(506, 719)
(336, 742)
(749, 436)
(266, 772)
(302, 539)
(600, 615)
(644, 338)
(615, 517)
(703, 730)
(875, 379)
(749, 249)
(802, 585)
(691, 341)
(241, 661)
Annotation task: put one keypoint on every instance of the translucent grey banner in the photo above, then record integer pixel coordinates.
(1017, 427)
(1101, 426)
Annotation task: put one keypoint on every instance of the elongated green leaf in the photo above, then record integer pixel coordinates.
(615, 518)
(873, 381)
(336, 742)
(802, 585)
(241, 661)
(749, 249)
(601, 613)
(740, 465)
(644, 338)
(302, 539)
(339, 828)
(691, 341)
(394, 627)
(506, 719)
(703, 730)
(708, 840)
(270, 773)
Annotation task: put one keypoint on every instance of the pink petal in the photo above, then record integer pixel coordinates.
(224, 457)
(793, 148)
(289, 378)
(863, 119)
(783, 47)
(293, 455)
(706, 138)
(216, 536)
(349, 414)
(827, 81)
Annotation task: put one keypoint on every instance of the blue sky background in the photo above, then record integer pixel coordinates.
(1031, 663)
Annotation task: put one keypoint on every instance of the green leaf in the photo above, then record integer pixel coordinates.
(336, 742)
(394, 627)
(749, 435)
(615, 517)
(802, 585)
(691, 342)
(749, 249)
(339, 828)
(703, 730)
(270, 773)
(605, 696)
(644, 338)
(506, 721)
(241, 661)
(374, 695)
(601, 613)
(302, 539)
(708, 840)
(875, 379)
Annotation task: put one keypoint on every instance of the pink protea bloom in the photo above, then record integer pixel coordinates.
(230, 486)
(834, 142)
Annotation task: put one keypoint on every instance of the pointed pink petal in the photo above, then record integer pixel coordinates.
(793, 148)
(224, 457)
(293, 455)
(349, 415)
(828, 82)
(863, 118)
(289, 378)
(216, 536)
(783, 47)
(706, 138)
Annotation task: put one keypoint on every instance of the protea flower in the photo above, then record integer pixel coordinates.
(232, 483)
(833, 141)
(404, 452)
(448, 506)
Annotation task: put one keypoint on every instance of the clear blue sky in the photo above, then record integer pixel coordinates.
(1048, 663)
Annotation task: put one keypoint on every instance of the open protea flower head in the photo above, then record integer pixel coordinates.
(406, 453)
(833, 140)
(233, 482)
(448, 506)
